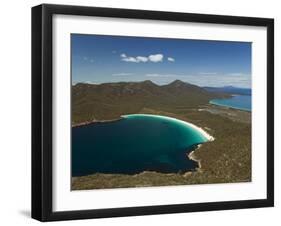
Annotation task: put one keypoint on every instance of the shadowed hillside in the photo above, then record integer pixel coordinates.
(110, 100)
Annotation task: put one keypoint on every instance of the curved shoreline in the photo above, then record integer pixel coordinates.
(93, 122)
(198, 129)
(229, 107)
(146, 173)
(189, 152)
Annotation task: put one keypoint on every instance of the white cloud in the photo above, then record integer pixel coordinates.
(130, 59)
(122, 74)
(171, 59)
(90, 82)
(207, 73)
(214, 80)
(126, 58)
(156, 58)
(161, 75)
(88, 59)
(142, 59)
(236, 74)
(152, 75)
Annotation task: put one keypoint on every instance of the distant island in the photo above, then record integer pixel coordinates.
(230, 90)
(226, 159)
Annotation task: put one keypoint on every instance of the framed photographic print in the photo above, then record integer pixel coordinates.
(145, 112)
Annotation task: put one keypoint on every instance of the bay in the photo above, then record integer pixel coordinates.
(135, 143)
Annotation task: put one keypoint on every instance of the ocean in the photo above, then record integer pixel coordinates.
(241, 102)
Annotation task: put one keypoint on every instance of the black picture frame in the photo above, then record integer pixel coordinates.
(42, 111)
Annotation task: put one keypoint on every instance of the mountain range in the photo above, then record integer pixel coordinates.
(111, 100)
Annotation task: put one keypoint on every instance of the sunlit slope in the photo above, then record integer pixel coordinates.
(111, 100)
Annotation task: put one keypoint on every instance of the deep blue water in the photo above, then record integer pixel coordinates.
(241, 102)
(134, 144)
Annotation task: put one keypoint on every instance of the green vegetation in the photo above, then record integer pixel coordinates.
(225, 160)
(110, 100)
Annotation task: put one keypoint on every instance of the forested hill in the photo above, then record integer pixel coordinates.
(110, 100)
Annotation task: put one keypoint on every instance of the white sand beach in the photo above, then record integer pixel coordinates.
(199, 129)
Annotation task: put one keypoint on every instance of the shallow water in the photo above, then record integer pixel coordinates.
(133, 144)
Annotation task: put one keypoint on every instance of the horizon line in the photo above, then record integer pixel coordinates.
(205, 86)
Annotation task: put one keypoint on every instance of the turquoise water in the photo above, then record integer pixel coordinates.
(241, 102)
(133, 144)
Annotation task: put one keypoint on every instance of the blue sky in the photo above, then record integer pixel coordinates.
(102, 58)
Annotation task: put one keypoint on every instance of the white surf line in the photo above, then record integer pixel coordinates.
(199, 129)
